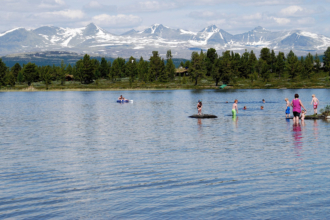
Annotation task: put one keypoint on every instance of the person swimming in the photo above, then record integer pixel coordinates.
(199, 107)
(262, 108)
(121, 98)
(244, 108)
(263, 101)
(234, 110)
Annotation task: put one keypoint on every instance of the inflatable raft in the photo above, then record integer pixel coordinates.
(122, 101)
(203, 116)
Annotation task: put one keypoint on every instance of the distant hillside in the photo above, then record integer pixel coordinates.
(56, 57)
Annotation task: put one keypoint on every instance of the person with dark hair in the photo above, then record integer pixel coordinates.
(199, 107)
(296, 108)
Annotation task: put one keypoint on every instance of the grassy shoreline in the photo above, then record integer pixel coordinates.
(178, 84)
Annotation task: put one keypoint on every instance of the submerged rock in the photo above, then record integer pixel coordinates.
(203, 116)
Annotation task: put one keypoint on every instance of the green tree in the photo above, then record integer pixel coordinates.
(104, 68)
(170, 69)
(3, 70)
(30, 73)
(273, 61)
(47, 78)
(155, 66)
(15, 69)
(227, 71)
(252, 62)
(217, 71)
(142, 69)
(197, 69)
(280, 64)
(265, 55)
(115, 70)
(20, 78)
(131, 69)
(293, 66)
(317, 65)
(87, 69)
(169, 55)
(163, 76)
(244, 67)
(326, 60)
(9, 78)
(211, 56)
(308, 66)
(62, 72)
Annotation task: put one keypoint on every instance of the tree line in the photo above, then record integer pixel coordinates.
(226, 67)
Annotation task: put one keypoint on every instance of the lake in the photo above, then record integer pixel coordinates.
(82, 155)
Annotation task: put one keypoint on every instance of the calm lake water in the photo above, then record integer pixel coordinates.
(81, 155)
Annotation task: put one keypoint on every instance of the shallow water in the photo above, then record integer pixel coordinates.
(73, 155)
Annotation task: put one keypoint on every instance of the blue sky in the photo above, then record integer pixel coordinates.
(234, 16)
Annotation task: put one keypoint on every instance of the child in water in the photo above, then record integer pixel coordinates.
(244, 108)
(262, 108)
(315, 103)
(199, 107)
(234, 110)
(303, 112)
(287, 111)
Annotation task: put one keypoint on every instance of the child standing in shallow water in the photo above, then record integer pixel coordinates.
(315, 103)
(234, 110)
(199, 107)
(303, 112)
(287, 111)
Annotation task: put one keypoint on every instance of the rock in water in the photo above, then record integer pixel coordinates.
(203, 116)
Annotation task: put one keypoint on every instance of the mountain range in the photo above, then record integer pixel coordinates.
(97, 41)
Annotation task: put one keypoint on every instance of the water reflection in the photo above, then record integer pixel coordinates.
(297, 136)
(235, 120)
(199, 123)
(315, 129)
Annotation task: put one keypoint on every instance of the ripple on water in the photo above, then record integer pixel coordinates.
(70, 155)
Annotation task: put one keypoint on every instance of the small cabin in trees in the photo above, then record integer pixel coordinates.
(181, 71)
(69, 77)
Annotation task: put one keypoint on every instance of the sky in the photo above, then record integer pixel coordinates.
(233, 16)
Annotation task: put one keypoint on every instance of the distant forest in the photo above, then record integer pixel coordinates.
(223, 68)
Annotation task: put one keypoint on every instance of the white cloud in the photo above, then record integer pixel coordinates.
(298, 11)
(241, 2)
(31, 6)
(202, 14)
(117, 21)
(306, 21)
(148, 6)
(255, 16)
(281, 21)
(65, 14)
(51, 4)
(95, 6)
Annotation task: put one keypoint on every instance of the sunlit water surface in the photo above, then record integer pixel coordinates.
(81, 155)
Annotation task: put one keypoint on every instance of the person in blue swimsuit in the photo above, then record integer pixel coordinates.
(287, 111)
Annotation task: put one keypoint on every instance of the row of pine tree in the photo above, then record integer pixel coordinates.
(225, 68)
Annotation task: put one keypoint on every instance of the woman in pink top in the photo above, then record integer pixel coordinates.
(296, 108)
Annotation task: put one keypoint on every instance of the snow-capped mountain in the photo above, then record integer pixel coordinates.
(94, 40)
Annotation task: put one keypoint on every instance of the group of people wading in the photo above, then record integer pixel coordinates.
(296, 105)
(296, 108)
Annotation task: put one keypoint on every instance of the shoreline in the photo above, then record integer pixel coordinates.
(146, 89)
